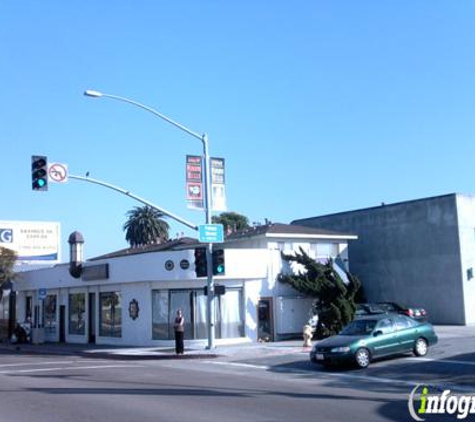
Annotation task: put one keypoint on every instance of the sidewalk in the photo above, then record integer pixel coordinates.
(191, 352)
(153, 353)
(104, 352)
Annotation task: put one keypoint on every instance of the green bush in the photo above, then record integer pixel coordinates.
(334, 300)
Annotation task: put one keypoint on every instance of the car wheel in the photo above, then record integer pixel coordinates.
(362, 358)
(421, 347)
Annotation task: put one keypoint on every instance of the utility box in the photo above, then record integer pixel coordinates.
(292, 313)
(37, 335)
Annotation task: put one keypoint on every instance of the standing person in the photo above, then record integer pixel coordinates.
(179, 327)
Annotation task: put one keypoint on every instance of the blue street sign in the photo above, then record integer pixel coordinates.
(211, 233)
(41, 294)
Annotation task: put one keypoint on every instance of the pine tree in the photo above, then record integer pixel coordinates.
(334, 300)
(7, 261)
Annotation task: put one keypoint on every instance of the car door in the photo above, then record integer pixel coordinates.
(406, 335)
(384, 341)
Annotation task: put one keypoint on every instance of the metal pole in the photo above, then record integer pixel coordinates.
(137, 198)
(210, 311)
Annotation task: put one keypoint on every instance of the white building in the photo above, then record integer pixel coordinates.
(130, 297)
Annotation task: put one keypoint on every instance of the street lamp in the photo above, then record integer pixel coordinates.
(207, 200)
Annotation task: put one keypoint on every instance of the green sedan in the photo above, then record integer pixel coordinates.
(371, 337)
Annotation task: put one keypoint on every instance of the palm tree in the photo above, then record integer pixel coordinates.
(145, 226)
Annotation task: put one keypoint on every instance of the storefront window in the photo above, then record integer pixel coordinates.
(200, 314)
(160, 326)
(193, 303)
(231, 323)
(181, 299)
(111, 314)
(77, 309)
(50, 314)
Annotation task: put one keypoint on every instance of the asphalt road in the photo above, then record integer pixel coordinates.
(281, 385)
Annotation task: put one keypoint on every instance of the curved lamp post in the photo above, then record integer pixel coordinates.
(207, 199)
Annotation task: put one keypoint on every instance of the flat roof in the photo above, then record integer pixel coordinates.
(378, 207)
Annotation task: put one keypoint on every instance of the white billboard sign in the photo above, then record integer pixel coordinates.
(33, 241)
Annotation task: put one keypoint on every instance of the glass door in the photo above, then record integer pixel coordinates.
(182, 300)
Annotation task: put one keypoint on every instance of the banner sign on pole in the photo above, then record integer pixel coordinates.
(218, 193)
(194, 182)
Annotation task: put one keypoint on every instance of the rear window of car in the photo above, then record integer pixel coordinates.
(388, 307)
(402, 323)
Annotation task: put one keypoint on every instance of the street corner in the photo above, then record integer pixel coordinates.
(140, 354)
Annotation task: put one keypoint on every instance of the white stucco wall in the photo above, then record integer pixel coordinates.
(135, 276)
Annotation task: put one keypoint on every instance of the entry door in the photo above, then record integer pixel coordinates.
(62, 324)
(92, 318)
(12, 313)
(265, 320)
(386, 342)
(182, 300)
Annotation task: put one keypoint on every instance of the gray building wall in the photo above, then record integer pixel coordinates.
(407, 252)
(466, 223)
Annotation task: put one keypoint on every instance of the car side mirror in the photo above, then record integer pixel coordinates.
(377, 333)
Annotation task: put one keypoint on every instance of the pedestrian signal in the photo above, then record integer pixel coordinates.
(201, 262)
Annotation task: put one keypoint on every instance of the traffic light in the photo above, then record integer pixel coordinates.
(219, 290)
(218, 262)
(39, 172)
(200, 262)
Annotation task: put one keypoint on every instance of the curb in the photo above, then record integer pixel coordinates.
(146, 357)
(103, 355)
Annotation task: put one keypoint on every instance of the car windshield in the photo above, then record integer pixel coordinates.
(359, 327)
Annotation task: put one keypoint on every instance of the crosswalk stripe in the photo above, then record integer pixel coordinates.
(66, 368)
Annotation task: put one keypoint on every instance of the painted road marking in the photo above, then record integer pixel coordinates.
(49, 363)
(367, 378)
(451, 361)
(237, 364)
(66, 368)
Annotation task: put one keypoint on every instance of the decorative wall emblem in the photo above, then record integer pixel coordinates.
(169, 265)
(134, 309)
(184, 264)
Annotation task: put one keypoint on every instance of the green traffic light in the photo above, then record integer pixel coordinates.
(39, 172)
(220, 269)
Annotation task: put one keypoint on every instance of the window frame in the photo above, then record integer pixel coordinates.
(116, 315)
(71, 328)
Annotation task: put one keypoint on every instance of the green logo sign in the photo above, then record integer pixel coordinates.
(423, 402)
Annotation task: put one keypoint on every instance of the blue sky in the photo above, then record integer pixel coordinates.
(317, 106)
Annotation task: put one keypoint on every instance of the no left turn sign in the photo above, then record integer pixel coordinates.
(58, 172)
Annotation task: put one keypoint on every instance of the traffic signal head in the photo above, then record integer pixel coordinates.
(39, 172)
(200, 262)
(218, 262)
